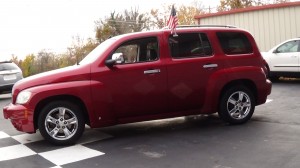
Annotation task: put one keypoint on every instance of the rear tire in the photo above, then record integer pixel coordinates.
(61, 123)
(237, 105)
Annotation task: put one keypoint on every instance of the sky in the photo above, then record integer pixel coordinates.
(29, 26)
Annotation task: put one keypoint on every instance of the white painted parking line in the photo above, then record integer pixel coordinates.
(28, 138)
(70, 154)
(14, 152)
(58, 157)
(89, 136)
(3, 135)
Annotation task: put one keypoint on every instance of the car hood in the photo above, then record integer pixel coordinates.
(72, 73)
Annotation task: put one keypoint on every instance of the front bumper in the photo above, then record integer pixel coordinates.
(20, 116)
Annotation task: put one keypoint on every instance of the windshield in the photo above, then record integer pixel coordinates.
(98, 51)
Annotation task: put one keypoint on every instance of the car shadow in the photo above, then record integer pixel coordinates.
(200, 125)
(190, 129)
(164, 125)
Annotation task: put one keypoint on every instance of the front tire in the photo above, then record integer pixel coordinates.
(61, 123)
(237, 105)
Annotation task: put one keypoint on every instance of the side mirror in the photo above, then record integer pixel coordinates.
(117, 58)
(110, 62)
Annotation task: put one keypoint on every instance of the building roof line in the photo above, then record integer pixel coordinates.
(249, 9)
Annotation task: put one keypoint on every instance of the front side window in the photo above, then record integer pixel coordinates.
(140, 50)
(189, 45)
(234, 43)
(291, 46)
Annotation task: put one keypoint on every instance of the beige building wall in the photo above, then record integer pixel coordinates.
(268, 26)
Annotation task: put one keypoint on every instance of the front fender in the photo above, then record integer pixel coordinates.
(78, 89)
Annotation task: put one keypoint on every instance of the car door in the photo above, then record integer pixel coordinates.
(137, 84)
(285, 58)
(189, 70)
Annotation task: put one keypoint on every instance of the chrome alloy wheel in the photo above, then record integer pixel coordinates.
(239, 105)
(61, 123)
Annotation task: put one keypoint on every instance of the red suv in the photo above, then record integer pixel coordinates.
(145, 76)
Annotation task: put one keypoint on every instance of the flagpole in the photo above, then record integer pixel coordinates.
(173, 22)
(175, 33)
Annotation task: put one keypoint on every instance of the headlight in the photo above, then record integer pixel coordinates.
(23, 97)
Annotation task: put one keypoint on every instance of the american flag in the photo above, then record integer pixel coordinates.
(173, 20)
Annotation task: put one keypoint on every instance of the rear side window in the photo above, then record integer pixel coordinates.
(234, 43)
(189, 45)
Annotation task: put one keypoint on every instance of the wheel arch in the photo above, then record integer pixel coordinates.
(70, 98)
(244, 82)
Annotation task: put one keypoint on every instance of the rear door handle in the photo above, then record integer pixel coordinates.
(210, 66)
(152, 71)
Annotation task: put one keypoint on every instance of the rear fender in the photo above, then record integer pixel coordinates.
(220, 79)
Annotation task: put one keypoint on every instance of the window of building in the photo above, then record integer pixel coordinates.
(234, 43)
(190, 45)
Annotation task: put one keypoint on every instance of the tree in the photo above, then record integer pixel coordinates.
(45, 61)
(103, 31)
(14, 59)
(226, 5)
(185, 14)
(120, 23)
(80, 49)
(159, 17)
(27, 65)
(136, 21)
(89, 46)
(280, 1)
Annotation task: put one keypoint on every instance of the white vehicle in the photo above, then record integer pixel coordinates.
(284, 59)
(10, 73)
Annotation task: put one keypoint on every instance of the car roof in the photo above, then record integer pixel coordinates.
(181, 29)
(292, 39)
(204, 26)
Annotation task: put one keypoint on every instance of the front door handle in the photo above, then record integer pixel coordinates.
(152, 71)
(210, 66)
